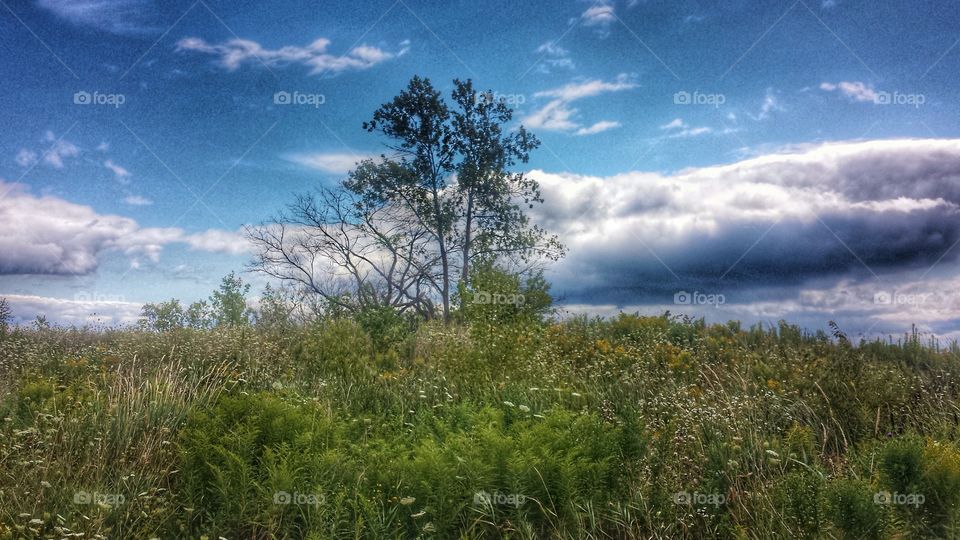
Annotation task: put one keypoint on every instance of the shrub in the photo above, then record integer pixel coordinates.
(851, 508)
(257, 466)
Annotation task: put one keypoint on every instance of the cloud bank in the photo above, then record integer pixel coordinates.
(50, 235)
(765, 227)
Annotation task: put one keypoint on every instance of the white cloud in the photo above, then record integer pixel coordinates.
(769, 105)
(50, 235)
(115, 16)
(26, 158)
(554, 116)
(590, 88)
(118, 171)
(60, 150)
(234, 53)
(553, 56)
(558, 115)
(854, 90)
(765, 221)
(330, 162)
(680, 129)
(599, 15)
(598, 127)
(82, 310)
(219, 241)
(137, 200)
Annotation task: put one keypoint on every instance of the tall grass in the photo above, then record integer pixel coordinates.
(636, 427)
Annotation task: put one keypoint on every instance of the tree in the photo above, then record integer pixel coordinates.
(352, 254)
(163, 316)
(275, 312)
(404, 230)
(493, 223)
(199, 316)
(229, 302)
(451, 171)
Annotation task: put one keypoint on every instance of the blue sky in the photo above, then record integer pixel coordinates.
(797, 159)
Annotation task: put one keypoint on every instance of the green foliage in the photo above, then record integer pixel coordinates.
(163, 316)
(229, 302)
(851, 507)
(496, 296)
(256, 465)
(597, 424)
(6, 316)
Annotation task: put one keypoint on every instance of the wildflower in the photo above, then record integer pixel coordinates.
(524, 408)
(407, 501)
(509, 404)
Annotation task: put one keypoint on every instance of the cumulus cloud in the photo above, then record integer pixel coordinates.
(847, 208)
(234, 53)
(558, 114)
(50, 235)
(330, 162)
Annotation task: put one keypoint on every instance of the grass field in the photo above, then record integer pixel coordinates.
(634, 427)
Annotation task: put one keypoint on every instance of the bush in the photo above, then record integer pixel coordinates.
(852, 510)
(257, 466)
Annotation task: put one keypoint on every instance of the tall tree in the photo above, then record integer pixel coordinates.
(417, 124)
(229, 302)
(404, 230)
(493, 222)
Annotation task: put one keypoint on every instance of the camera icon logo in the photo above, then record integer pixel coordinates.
(882, 297)
(682, 298)
(681, 98)
(281, 98)
(882, 497)
(82, 497)
(82, 98)
(682, 497)
(482, 498)
(282, 497)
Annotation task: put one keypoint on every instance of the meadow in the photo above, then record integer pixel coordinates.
(497, 425)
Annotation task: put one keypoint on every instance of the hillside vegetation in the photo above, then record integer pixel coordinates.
(499, 425)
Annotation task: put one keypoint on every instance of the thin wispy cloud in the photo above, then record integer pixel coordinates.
(115, 16)
(558, 114)
(234, 53)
